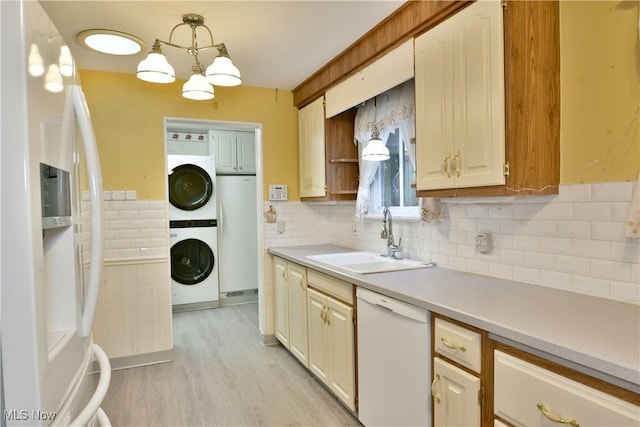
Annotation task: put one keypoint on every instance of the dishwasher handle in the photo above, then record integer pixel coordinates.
(390, 304)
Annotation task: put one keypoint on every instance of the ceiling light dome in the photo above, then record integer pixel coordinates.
(222, 72)
(197, 88)
(155, 68)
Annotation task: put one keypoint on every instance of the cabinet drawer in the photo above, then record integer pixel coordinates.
(336, 287)
(523, 391)
(458, 344)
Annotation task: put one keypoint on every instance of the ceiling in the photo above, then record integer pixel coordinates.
(275, 44)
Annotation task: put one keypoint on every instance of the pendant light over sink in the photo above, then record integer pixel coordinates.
(156, 69)
(376, 150)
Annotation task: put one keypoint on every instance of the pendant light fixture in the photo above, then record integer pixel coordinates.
(375, 150)
(156, 69)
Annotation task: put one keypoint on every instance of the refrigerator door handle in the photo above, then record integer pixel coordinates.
(79, 103)
(93, 406)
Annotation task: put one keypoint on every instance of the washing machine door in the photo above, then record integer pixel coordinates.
(190, 187)
(192, 261)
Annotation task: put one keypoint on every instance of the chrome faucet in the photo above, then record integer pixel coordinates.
(393, 250)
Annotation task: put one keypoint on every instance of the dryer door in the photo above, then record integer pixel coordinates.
(190, 187)
(192, 261)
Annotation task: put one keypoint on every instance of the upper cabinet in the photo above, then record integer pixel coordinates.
(235, 151)
(311, 152)
(487, 101)
(328, 157)
(460, 100)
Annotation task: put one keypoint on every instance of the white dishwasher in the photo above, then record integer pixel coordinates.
(394, 362)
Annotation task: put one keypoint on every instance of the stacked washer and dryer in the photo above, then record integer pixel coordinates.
(193, 235)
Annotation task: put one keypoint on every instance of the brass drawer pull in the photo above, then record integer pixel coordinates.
(556, 419)
(452, 346)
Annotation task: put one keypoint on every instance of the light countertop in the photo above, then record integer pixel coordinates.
(597, 336)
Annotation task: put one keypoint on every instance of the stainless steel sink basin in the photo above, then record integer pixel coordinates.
(368, 262)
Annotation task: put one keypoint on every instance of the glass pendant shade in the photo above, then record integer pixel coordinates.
(65, 61)
(36, 67)
(222, 72)
(156, 69)
(197, 88)
(53, 79)
(375, 150)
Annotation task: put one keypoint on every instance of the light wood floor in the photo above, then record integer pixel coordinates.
(222, 375)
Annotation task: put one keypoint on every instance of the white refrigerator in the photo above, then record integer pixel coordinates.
(237, 234)
(50, 228)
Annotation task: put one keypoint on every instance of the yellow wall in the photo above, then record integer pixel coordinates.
(128, 113)
(600, 93)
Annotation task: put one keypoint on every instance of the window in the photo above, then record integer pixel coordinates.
(391, 185)
(388, 183)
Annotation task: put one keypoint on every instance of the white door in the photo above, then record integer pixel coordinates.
(281, 300)
(245, 152)
(299, 344)
(341, 351)
(455, 396)
(434, 108)
(318, 343)
(224, 143)
(311, 146)
(478, 88)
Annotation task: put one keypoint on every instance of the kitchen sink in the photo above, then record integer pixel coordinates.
(368, 262)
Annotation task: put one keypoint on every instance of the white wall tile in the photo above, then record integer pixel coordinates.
(592, 211)
(591, 286)
(611, 192)
(574, 193)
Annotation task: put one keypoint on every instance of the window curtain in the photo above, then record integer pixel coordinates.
(392, 109)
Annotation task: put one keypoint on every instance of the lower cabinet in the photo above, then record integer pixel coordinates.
(290, 291)
(331, 344)
(455, 394)
(315, 320)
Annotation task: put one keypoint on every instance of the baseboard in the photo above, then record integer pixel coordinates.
(245, 296)
(195, 306)
(270, 340)
(136, 360)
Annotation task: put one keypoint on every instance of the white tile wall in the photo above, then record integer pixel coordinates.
(573, 241)
(134, 309)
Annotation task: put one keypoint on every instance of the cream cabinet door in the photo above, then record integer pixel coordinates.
(311, 149)
(455, 396)
(318, 337)
(298, 339)
(341, 351)
(245, 152)
(434, 107)
(281, 300)
(460, 100)
(224, 143)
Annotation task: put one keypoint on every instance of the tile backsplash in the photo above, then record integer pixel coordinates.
(134, 310)
(573, 241)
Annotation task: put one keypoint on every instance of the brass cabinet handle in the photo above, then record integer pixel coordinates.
(556, 419)
(301, 282)
(449, 344)
(284, 274)
(326, 316)
(447, 169)
(456, 163)
(434, 386)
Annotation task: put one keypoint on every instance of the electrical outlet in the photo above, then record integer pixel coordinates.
(483, 242)
(280, 227)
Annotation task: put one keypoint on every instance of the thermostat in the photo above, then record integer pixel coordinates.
(277, 192)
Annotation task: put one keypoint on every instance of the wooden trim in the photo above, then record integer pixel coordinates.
(572, 374)
(411, 19)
